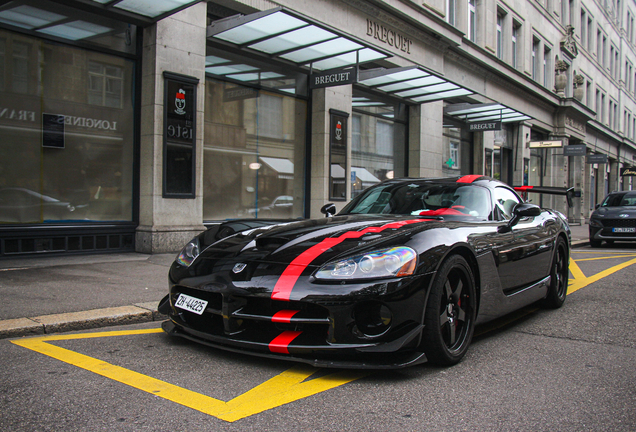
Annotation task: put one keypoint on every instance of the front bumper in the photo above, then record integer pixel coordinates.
(340, 330)
(605, 233)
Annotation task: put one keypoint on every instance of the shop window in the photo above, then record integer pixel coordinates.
(454, 155)
(254, 152)
(87, 177)
(356, 135)
(378, 141)
(270, 111)
(384, 138)
(105, 85)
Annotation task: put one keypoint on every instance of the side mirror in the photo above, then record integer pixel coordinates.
(597, 206)
(520, 211)
(328, 209)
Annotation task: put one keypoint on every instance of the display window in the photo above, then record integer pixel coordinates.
(378, 141)
(67, 134)
(456, 156)
(254, 151)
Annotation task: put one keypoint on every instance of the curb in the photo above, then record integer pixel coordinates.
(95, 318)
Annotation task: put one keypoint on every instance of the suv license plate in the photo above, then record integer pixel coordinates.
(191, 304)
(623, 230)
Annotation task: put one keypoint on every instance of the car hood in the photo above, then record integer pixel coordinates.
(319, 240)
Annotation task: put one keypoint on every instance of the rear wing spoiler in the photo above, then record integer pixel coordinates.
(552, 190)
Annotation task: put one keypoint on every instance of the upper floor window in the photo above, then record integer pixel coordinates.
(583, 28)
(451, 11)
(500, 20)
(105, 84)
(472, 20)
(535, 59)
(515, 34)
(547, 53)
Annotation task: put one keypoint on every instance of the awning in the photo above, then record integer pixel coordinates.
(68, 19)
(287, 35)
(411, 84)
(473, 113)
(364, 176)
(284, 167)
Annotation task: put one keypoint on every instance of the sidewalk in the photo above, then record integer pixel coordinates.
(43, 295)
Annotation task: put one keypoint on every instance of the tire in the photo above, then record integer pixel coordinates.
(559, 276)
(595, 243)
(449, 318)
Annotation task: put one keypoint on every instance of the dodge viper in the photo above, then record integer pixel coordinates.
(399, 277)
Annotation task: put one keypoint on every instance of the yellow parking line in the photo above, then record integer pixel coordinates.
(607, 257)
(581, 281)
(284, 388)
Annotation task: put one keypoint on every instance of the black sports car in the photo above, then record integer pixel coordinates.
(614, 219)
(400, 276)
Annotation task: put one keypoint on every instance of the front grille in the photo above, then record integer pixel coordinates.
(250, 319)
(619, 223)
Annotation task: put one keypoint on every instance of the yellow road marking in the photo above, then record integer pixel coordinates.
(599, 252)
(607, 257)
(581, 281)
(284, 388)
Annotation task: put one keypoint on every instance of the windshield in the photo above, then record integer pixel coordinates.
(620, 200)
(423, 199)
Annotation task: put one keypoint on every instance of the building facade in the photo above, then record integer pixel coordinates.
(135, 127)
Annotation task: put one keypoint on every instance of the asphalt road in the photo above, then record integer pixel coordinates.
(571, 369)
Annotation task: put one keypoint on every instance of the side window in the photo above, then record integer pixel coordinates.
(505, 202)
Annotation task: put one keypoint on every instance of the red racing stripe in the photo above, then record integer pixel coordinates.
(287, 280)
(284, 316)
(469, 178)
(282, 341)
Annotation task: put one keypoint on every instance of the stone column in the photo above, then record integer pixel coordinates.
(324, 99)
(175, 44)
(426, 140)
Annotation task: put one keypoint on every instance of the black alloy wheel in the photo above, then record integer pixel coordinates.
(449, 320)
(559, 276)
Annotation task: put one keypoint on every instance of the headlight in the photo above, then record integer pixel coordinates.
(389, 262)
(595, 223)
(189, 253)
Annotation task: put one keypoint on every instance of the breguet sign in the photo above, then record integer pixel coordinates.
(333, 77)
(484, 126)
(389, 37)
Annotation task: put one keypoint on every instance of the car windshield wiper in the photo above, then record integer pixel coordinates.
(430, 217)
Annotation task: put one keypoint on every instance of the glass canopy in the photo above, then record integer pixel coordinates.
(412, 84)
(472, 113)
(281, 33)
(39, 15)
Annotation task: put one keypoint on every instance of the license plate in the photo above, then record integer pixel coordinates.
(623, 230)
(191, 304)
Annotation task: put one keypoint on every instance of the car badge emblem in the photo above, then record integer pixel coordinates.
(239, 267)
(623, 215)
